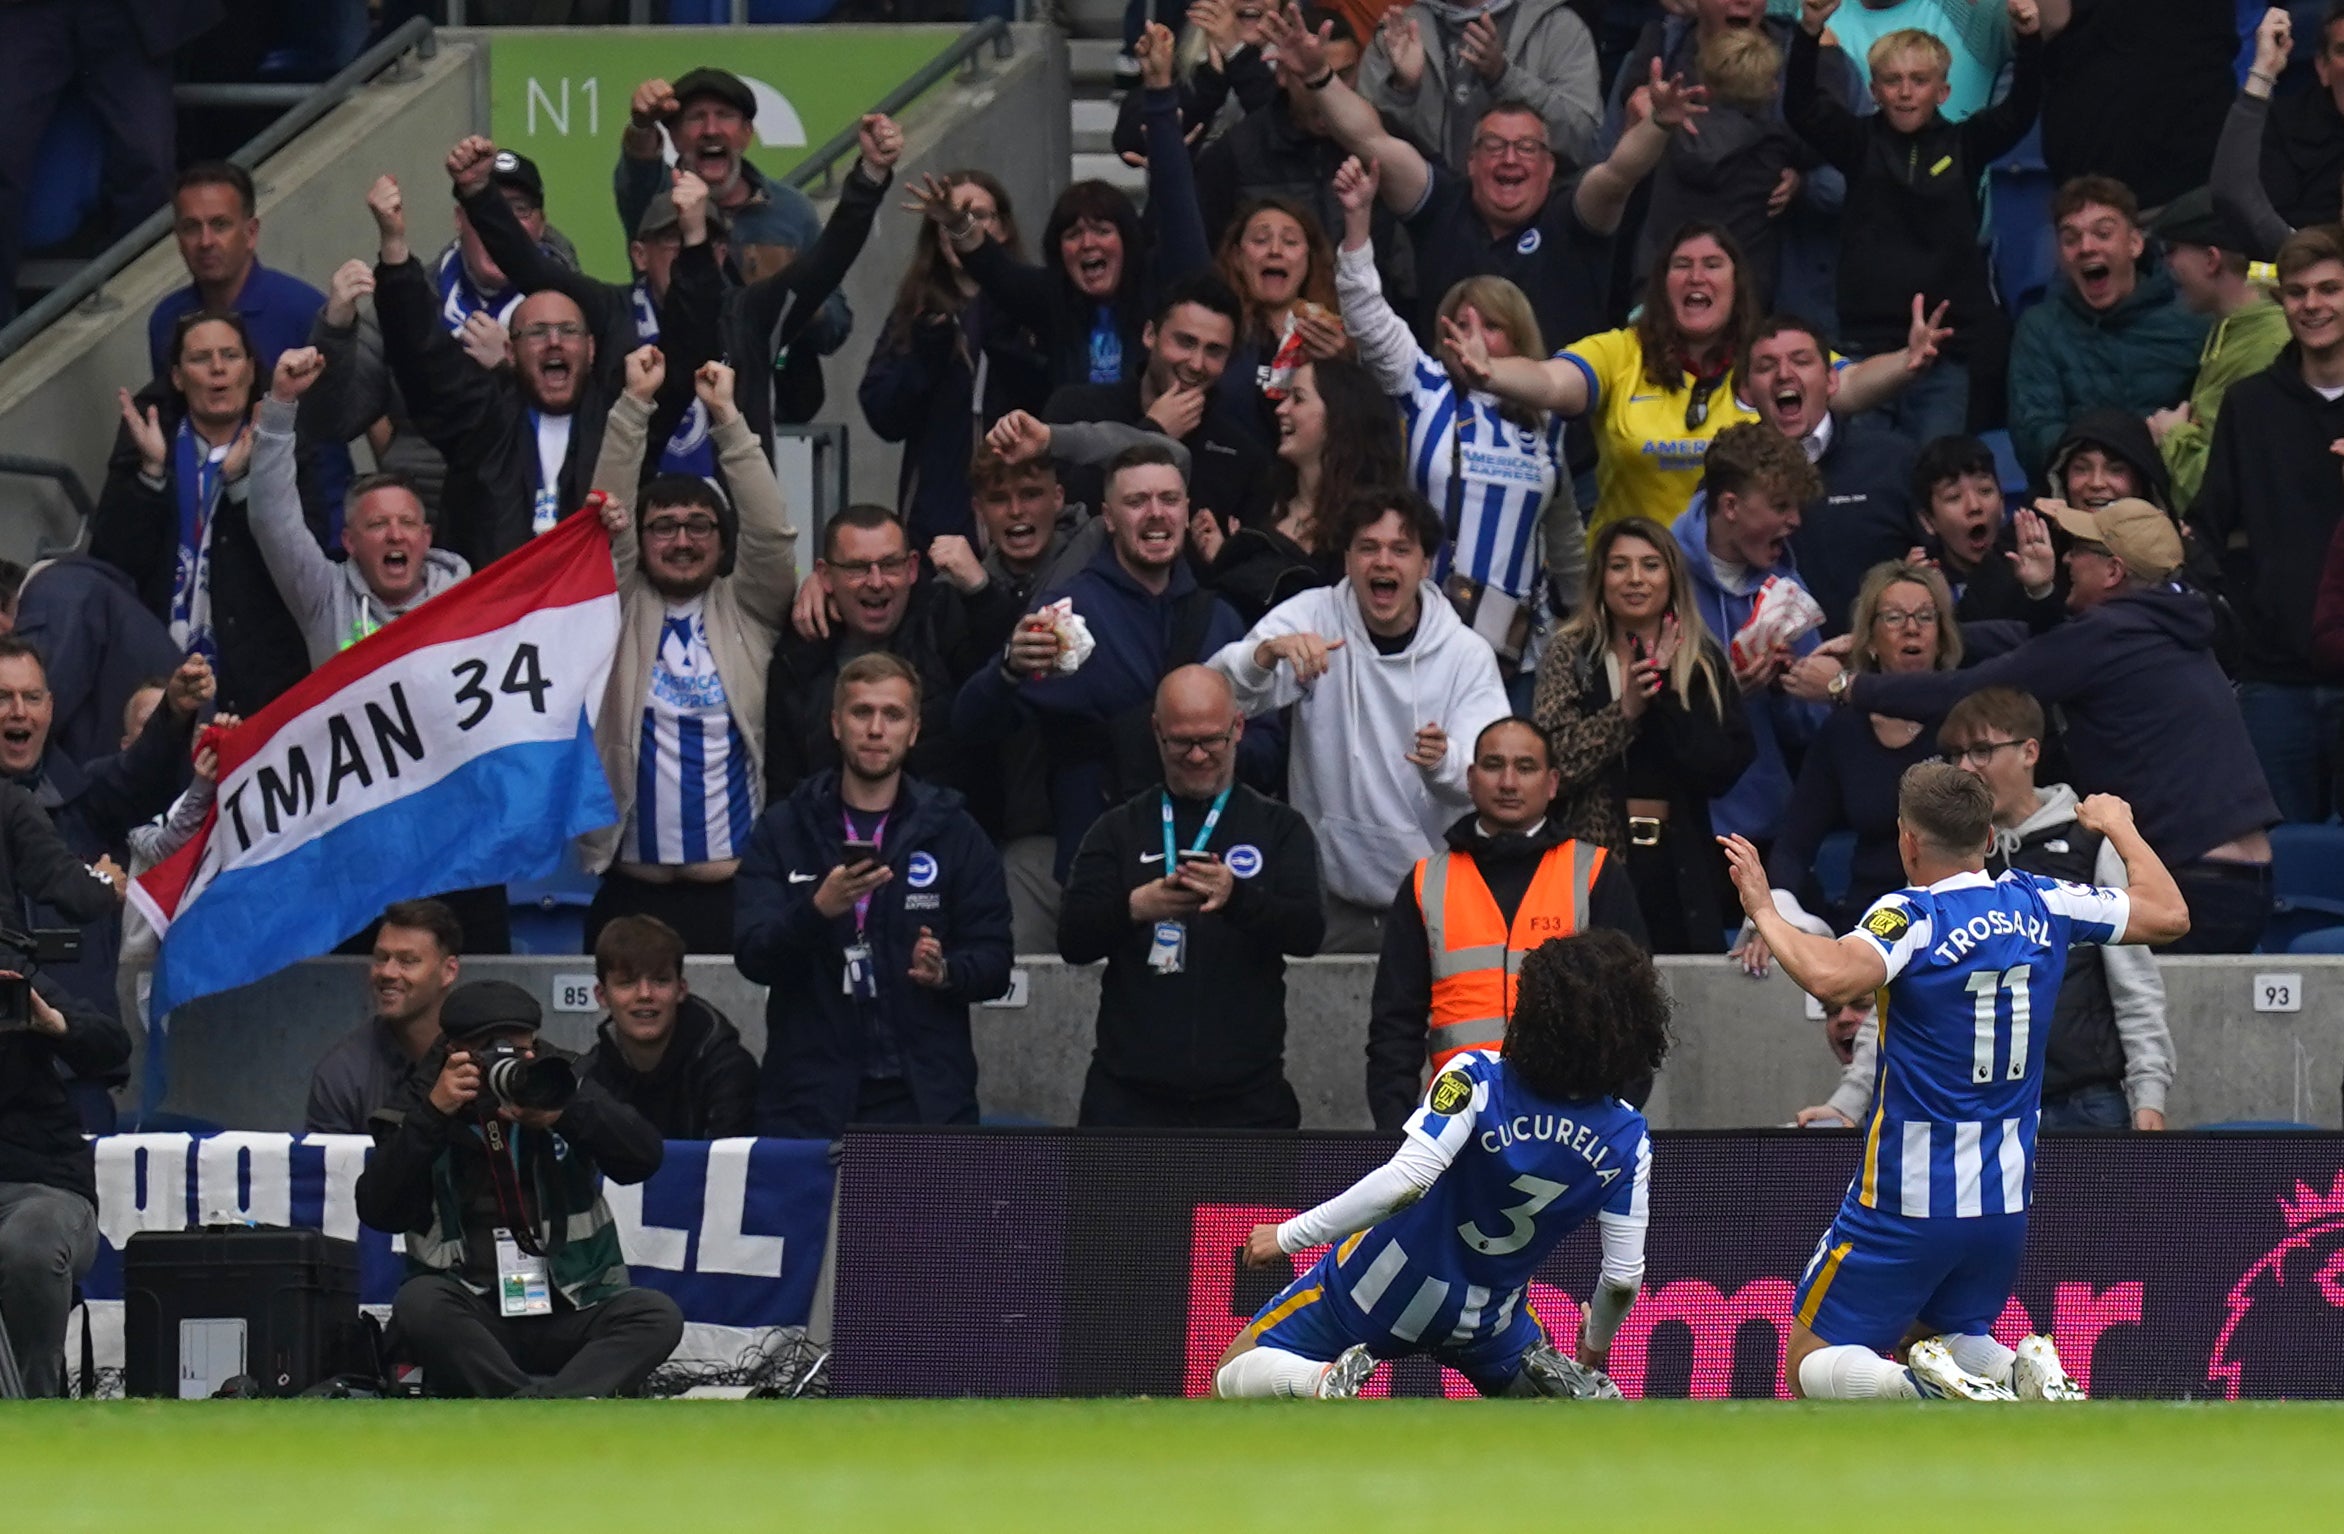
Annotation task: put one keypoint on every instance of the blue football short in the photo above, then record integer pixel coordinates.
(1310, 1319)
(1874, 1274)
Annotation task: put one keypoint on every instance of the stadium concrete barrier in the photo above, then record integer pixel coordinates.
(1747, 1053)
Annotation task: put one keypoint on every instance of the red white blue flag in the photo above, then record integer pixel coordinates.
(452, 748)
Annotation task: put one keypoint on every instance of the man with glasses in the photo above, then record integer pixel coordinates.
(1509, 215)
(520, 443)
(1194, 893)
(682, 722)
(1467, 915)
(872, 597)
(2148, 714)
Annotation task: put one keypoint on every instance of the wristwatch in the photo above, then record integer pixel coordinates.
(1837, 688)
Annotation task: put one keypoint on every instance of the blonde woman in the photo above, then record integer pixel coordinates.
(1495, 471)
(1646, 727)
(1903, 621)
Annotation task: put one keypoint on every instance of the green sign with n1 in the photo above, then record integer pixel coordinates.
(560, 97)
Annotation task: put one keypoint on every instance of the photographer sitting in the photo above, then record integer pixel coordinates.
(48, 1182)
(487, 1162)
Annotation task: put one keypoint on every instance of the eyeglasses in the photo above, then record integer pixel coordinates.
(680, 527)
(855, 569)
(568, 330)
(1497, 148)
(1189, 745)
(1979, 756)
(1918, 618)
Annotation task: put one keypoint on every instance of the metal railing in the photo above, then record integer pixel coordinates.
(68, 483)
(816, 172)
(638, 13)
(314, 102)
(811, 461)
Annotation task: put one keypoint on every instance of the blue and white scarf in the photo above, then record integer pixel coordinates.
(198, 476)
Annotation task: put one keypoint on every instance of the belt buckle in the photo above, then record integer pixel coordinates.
(1643, 831)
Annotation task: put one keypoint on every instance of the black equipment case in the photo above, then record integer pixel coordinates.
(201, 1306)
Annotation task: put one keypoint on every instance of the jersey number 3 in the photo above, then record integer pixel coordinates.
(1983, 988)
(1521, 1219)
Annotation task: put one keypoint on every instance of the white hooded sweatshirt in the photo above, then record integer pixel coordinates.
(1374, 811)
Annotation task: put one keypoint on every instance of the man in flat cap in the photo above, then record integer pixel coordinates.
(515, 1283)
(709, 116)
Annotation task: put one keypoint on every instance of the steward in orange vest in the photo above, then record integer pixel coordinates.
(1455, 938)
(1463, 919)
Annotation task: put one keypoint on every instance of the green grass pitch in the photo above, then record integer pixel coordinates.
(1162, 1465)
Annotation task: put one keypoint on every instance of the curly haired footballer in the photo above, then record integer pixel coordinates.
(1590, 1017)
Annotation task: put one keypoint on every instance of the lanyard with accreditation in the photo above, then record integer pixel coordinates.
(1168, 951)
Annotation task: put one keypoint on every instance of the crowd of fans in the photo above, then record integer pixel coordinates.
(1504, 455)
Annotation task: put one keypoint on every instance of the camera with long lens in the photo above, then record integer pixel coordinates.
(512, 1077)
(24, 953)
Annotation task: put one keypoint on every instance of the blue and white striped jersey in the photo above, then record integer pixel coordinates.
(1522, 1174)
(1508, 472)
(696, 795)
(1974, 965)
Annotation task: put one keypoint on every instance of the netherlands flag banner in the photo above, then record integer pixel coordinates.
(452, 748)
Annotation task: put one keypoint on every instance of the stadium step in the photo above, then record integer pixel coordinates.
(1091, 67)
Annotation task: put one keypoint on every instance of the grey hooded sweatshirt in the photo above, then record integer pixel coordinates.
(328, 598)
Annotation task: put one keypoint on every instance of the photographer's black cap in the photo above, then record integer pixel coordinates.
(483, 1006)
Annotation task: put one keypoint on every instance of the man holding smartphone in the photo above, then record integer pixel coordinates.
(1194, 892)
(873, 908)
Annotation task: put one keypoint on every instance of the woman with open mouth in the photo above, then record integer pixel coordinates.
(1494, 468)
(1096, 292)
(1658, 392)
(1278, 264)
(1644, 724)
(172, 515)
(1903, 621)
(1335, 437)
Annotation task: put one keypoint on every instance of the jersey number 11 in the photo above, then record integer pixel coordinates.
(1983, 988)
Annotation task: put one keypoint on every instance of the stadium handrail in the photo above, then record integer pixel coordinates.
(68, 479)
(814, 173)
(415, 35)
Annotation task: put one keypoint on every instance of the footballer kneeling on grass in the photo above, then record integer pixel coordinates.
(1927, 1241)
(1509, 1153)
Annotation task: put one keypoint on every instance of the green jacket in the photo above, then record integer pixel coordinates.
(2238, 347)
(424, 1162)
(2139, 356)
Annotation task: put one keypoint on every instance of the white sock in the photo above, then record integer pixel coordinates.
(1269, 1372)
(1980, 1355)
(1851, 1373)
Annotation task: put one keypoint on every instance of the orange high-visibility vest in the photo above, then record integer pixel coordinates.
(1474, 956)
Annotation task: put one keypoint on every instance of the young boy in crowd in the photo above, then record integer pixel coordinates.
(1957, 499)
(1913, 214)
(1729, 172)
